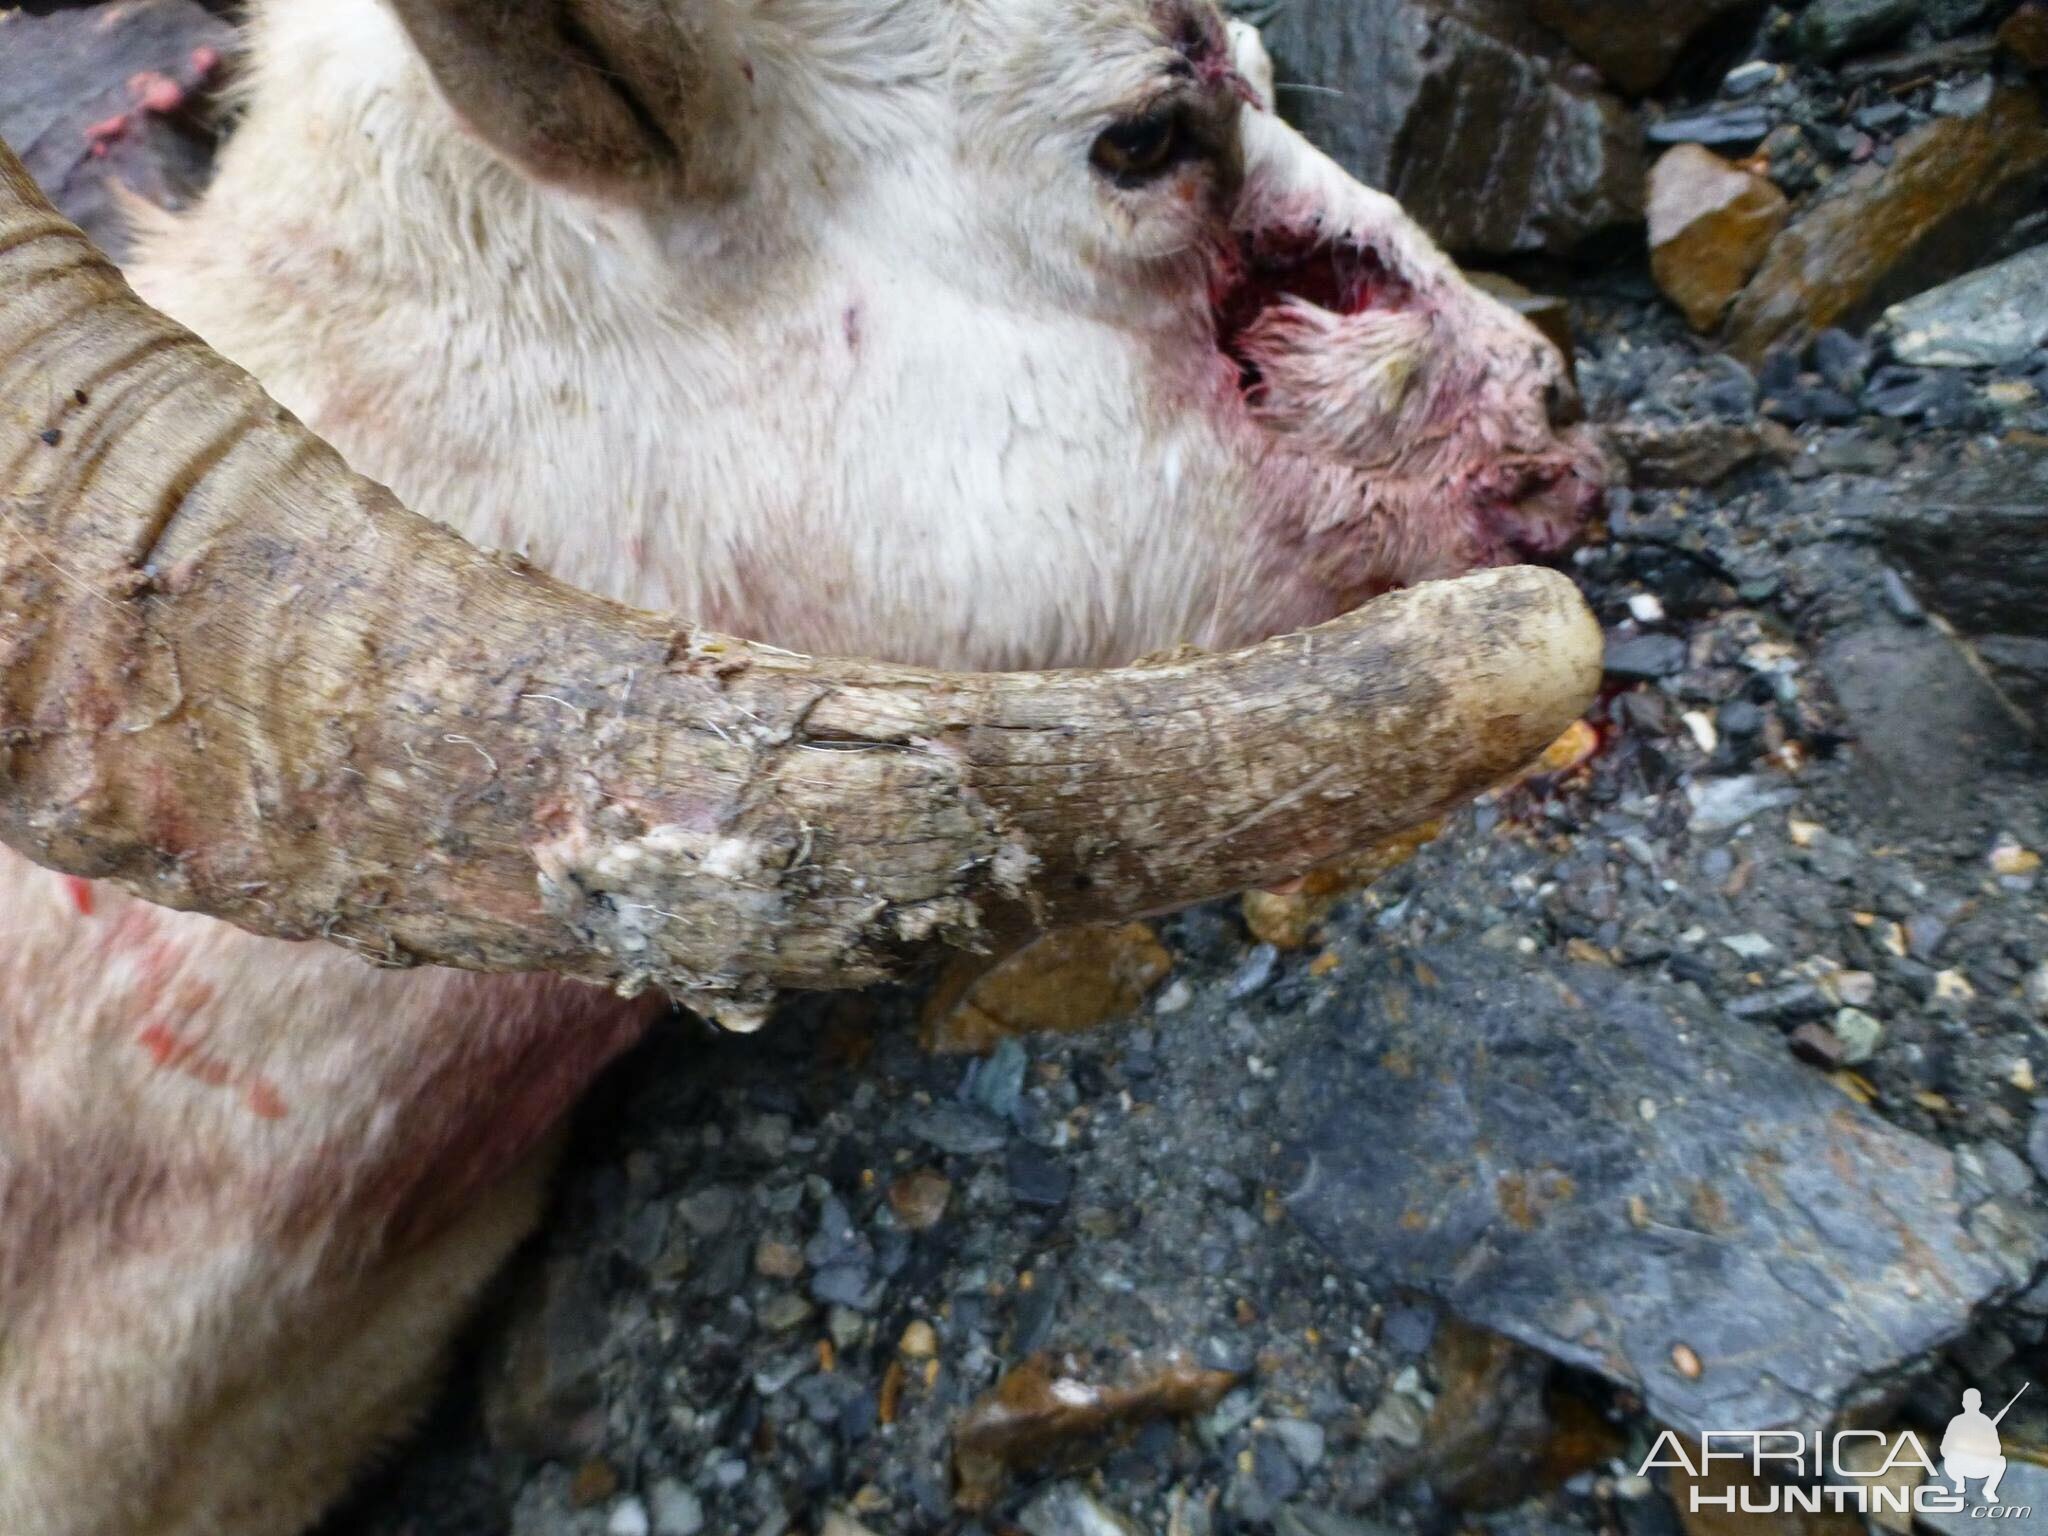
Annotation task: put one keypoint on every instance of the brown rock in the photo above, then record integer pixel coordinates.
(1884, 233)
(1665, 456)
(1062, 983)
(919, 1199)
(1710, 224)
(1480, 121)
(1634, 43)
(2025, 35)
(1285, 919)
(1064, 1413)
(1489, 1431)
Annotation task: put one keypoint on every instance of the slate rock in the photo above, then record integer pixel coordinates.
(1736, 1255)
(1467, 112)
(1635, 43)
(1990, 318)
(1973, 539)
(104, 97)
(1645, 658)
(1950, 197)
(1831, 30)
(1924, 718)
(1739, 130)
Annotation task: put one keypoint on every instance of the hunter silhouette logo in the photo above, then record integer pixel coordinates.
(1845, 1471)
(1970, 1448)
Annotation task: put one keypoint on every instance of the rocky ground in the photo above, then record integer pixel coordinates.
(1691, 1082)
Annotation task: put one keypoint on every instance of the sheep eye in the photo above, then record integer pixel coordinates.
(1134, 150)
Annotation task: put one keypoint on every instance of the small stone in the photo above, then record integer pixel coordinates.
(782, 1312)
(676, 1511)
(1066, 1509)
(2009, 861)
(1686, 1361)
(954, 1128)
(1842, 360)
(1741, 129)
(1710, 224)
(1860, 1035)
(1898, 597)
(709, 1212)
(1253, 972)
(920, 1341)
(1304, 1442)
(1398, 1419)
(595, 1481)
(2037, 1139)
(1748, 79)
(1645, 658)
(1064, 983)
(629, 1518)
(2035, 990)
(1951, 100)
(1721, 805)
(1819, 1045)
(1749, 946)
(919, 1199)
(778, 1260)
(1037, 1179)
(1799, 1001)
(1856, 989)
(1831, 30)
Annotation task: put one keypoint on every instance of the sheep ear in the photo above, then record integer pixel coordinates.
(617, 98)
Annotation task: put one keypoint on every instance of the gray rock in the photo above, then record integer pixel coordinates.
(1741, 130)
(1996, 316)
(1721, 805)
(1834, 29)
(1065, 1509)
(99, 99)
(1924, 717)
(1645, 658)
(959, 1130)
(1974, 539)
(1468, 113)
(1604, 1171)
(676, 1511)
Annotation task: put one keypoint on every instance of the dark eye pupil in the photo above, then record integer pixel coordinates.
(1139, 147)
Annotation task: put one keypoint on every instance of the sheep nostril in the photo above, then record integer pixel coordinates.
(1562, 403)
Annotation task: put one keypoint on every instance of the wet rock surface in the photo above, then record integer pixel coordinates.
(101, 98)
(1633, 1182)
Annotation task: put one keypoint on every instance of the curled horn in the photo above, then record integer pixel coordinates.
(238, 678)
